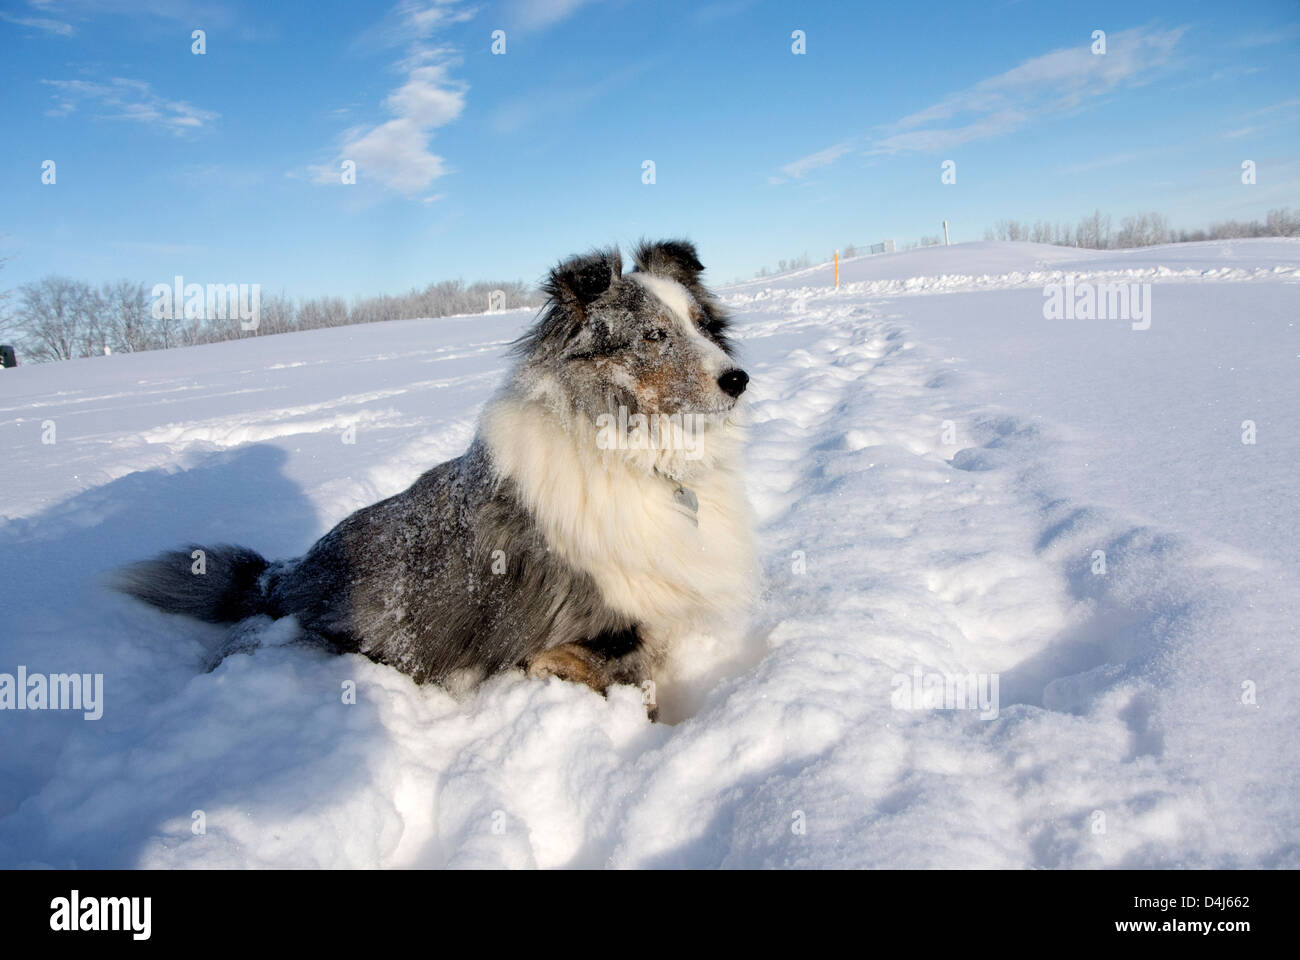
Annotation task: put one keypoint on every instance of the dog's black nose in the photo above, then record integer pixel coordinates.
(733, 382)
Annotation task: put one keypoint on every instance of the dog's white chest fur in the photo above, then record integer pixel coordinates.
(610, 516)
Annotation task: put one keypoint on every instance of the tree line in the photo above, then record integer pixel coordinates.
(59, 318)
(1096, 232)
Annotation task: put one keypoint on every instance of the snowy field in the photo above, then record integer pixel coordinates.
(940, 473)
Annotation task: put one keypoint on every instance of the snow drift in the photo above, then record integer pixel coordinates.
(949, 485)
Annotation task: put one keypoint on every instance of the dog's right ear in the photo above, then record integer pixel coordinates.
(579, 280)
(570, 288)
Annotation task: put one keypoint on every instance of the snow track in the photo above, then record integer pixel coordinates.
(967, 559)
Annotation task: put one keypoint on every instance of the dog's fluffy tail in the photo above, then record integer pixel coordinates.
(219, 584)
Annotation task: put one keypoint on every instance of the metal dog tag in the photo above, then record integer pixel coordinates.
(688, 503)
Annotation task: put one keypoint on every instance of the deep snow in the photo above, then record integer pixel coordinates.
(934, 466)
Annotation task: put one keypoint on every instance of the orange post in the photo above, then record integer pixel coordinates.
(837, 268)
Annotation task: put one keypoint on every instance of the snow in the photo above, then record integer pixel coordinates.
(1123, 733)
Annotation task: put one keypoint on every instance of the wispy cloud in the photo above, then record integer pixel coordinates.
(936, 139)
(124, 99)
(1274, 115)
(1273, 107)
(720, 10)
(1054, 83)
(56, 27)
(814, 161)
(397, 152)
(563, 100)
(1111, 160)
(1058, 82)
(1280, 34)
(411, 24)
(206, 13)
(528, 15)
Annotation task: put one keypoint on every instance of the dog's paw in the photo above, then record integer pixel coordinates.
(572, 662)
(578, 663)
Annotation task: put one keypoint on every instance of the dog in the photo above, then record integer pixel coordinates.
(597, 520)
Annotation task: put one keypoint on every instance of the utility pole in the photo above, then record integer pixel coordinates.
(945, 233)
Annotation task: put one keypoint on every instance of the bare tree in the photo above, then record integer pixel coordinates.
(1005, 230)
(279, 315)
(6, 298)
(126, 315)
(54, 320)
(1282, 223)
(322, 312)
(92, 340)
(1094, 232)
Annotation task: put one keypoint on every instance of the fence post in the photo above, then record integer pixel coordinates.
(945, 233)
(837, 269)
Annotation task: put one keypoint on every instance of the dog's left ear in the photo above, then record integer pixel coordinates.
(675, 259)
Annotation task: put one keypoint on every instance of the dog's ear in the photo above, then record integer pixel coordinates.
(675, 259)
(579, 280)
(570, 288)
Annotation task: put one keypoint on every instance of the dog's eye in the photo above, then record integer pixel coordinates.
(655, 334)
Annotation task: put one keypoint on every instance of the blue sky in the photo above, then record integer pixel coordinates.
(224, 167)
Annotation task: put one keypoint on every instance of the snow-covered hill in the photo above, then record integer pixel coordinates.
(937, 469)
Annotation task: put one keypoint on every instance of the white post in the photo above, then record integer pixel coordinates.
(945, 233)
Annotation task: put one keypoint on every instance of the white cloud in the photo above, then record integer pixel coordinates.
(428, 98)
(396, 152)
(126, 99)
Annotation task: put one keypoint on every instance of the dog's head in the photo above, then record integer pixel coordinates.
(651, 341)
